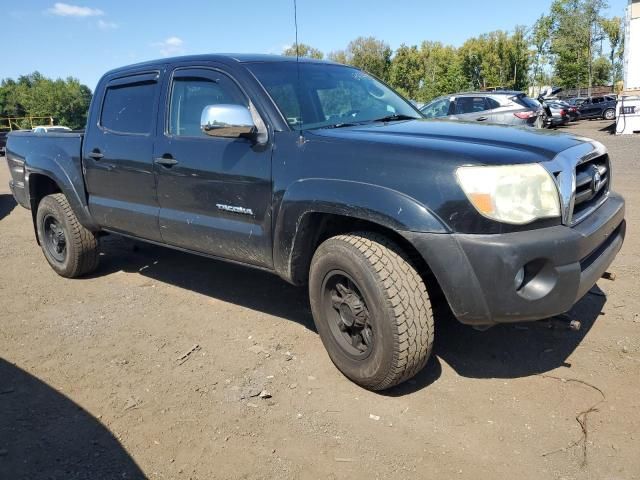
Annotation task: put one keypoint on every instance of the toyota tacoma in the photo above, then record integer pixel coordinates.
(323, 175)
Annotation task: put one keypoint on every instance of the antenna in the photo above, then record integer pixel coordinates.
(295, 22)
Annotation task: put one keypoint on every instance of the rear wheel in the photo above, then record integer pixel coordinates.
(609, 114)
(70, 249)
(371, 309)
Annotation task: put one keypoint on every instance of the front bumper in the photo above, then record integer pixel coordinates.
(477, 273)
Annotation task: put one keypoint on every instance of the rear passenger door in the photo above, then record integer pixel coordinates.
(118, 156)
(472, 108)
(215, 193)
(592, 107)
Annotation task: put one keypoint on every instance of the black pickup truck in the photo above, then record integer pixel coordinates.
(323, 175)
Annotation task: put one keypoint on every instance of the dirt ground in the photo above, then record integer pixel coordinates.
(96, 383)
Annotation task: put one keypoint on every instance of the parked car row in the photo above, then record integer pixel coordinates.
(516, 108)
(503, 107)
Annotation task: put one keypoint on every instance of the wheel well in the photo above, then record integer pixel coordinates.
(315, 228)
(39, 187)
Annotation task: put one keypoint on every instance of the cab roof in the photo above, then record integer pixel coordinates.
(220, 57)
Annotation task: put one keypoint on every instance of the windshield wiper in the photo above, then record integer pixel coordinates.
(340, 125)
(395, 116)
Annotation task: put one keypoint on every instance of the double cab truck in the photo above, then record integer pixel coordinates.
(323, 175)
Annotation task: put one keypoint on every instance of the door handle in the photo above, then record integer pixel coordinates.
(482, 119)
(167, 161)
(95, 154)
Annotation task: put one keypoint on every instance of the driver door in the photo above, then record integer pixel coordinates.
(214, 193)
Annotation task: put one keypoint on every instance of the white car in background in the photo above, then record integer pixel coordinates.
(50, 129)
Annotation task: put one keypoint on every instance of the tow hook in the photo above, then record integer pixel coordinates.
(609, 276)
(565, 321)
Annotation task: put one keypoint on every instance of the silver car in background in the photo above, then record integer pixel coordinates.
(502, 107)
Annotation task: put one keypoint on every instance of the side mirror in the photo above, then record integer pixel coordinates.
(228, 121)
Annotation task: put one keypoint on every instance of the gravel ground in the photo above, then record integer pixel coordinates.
(97, 382)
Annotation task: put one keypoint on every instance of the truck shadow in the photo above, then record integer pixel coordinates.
(504, 351)
(45, 435)
(243, 286)
(509, 350)
(7, 204)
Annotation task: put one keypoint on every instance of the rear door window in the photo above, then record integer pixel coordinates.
(128, 107)
(470, 105)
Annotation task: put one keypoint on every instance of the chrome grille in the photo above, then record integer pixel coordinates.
(592, 185)
(581, 189)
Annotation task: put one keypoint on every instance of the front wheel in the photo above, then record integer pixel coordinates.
(70, 249)
(609, 114)
(371, 309)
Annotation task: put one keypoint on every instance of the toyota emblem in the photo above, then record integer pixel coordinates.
(596, 179)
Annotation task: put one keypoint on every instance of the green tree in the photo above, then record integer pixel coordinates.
(303, 50)
(518, 58)
(443, 73)
(67, 101)
(371, 55)
(540, 40)
(339, 56)
(601, 71)
(576, 36)
(612, 28)
(496, 59)
(407, 71)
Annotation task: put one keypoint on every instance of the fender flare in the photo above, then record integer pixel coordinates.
(70, 181)
(363, 201)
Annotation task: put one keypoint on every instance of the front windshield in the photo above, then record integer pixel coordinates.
(323, 95)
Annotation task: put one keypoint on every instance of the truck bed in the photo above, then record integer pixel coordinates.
(43, 153)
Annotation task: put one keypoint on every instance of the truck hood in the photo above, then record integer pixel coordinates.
(467, 141)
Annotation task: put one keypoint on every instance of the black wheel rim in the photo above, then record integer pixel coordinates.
(55, 240)
(347, 315)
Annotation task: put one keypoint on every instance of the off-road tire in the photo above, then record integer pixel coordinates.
(81, 244)
(609, 114)
(396, 298)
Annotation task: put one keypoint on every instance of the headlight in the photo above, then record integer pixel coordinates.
(516, 194)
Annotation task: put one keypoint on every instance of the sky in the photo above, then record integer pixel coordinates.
(84, 39)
